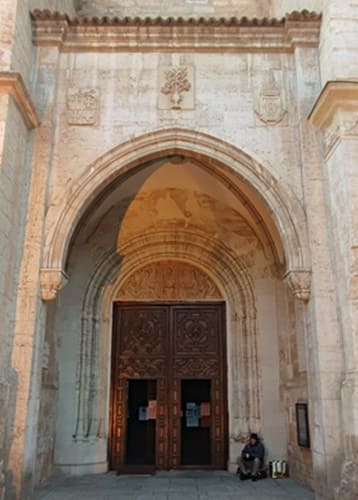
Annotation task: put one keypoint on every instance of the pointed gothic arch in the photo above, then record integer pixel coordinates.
(279, 209)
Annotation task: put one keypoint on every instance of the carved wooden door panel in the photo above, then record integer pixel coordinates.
(140, 346)
(169, 343)
(198, 352)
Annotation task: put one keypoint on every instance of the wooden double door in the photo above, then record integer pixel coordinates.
(168, 401)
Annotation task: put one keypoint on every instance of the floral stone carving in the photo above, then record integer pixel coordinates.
(176, 88)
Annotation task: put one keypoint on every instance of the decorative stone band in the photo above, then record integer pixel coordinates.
(11, 83)
(176, 34)
(336, 113)
(52, 280)
(299, 281)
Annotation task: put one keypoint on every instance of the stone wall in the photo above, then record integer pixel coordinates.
(196, 8)
(16, 150)
(165, 8)
(90, 103)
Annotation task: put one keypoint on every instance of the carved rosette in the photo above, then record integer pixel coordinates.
(52, 280)
(299, 281)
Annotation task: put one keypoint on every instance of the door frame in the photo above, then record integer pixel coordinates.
(173, 402)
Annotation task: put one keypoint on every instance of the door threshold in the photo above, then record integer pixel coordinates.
(137, 470)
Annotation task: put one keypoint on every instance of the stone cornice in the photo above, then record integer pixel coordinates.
(335, 97)
(11, 83)
(336, 114)
(176, 34)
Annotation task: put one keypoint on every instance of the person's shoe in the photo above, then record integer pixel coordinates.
(243, 476)
(254, 478)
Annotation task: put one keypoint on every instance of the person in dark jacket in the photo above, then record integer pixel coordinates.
(251, 462)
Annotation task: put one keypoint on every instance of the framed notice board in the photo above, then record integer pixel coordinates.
(303, 432)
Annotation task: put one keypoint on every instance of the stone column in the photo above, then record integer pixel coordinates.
(323, 342)
(335, 114)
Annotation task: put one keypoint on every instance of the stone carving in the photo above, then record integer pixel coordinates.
(176, 84)
(269, 102)
(52, 280)
(342, 128)
(169, 280)
(299, 281)
(46, 356)
(176, 87)
(82, 106)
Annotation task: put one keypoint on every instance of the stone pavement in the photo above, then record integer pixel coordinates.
(198, 485)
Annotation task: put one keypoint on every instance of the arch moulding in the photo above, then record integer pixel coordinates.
(284, 208)
(229, 276)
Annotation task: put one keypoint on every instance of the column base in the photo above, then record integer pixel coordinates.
(82, 469)
(348, 488)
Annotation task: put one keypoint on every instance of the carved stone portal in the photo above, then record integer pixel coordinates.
(169, 280)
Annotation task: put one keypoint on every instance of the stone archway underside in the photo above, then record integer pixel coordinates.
(227, 274)
(278, 208)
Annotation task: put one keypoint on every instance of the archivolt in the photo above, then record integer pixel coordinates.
(231, 277)
(285, 210)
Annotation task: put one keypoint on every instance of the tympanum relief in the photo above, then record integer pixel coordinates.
(169, 280)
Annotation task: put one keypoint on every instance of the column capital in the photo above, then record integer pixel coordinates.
(336, 96)
(336, 113)
(299, 281)
(52, 280)
(11, 83)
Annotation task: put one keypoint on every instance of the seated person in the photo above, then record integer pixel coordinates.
(251, 462)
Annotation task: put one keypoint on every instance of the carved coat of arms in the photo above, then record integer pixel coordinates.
(269, 102)
(82, 106)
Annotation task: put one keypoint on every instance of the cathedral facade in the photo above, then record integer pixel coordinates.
(178, 238)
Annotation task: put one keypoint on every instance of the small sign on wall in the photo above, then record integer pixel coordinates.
(303, 435)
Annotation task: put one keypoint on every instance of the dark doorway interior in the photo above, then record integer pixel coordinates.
(195, 422)
(140, 427)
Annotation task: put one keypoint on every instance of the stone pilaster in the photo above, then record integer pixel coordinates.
(323, 342)
(31, 311)
(335, 114)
